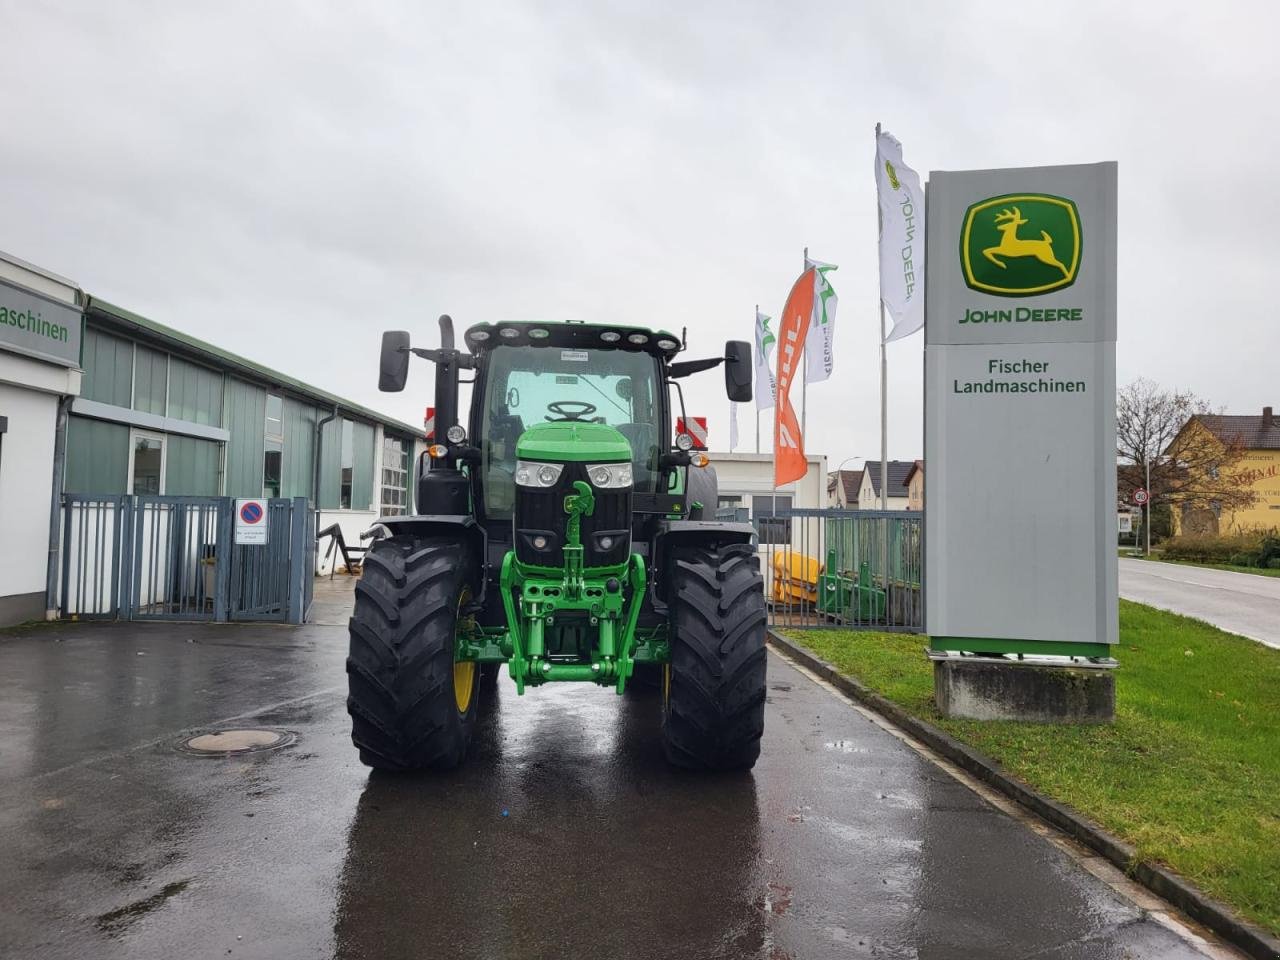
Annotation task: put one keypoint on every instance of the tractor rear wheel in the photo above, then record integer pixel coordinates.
(714, 689)
(411, 705)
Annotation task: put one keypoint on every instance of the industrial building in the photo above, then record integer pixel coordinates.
(97, 400)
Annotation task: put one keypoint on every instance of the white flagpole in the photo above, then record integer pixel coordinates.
(756, 322)
(884, 377)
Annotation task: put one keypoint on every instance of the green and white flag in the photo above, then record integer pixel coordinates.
(766, 387)
(901, 238)
(818, 344)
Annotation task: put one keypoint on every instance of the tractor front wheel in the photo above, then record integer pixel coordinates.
(714, 689)
(411, 705)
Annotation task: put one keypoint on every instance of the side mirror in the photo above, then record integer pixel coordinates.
(393, 367)
(737, 370)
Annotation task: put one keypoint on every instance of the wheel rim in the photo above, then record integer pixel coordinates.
(464, 682)
(464, 671)
(666, 684)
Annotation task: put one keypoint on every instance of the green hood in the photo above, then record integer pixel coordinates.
(574, 441)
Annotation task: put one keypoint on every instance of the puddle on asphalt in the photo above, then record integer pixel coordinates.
(117, 920)
(845, 746)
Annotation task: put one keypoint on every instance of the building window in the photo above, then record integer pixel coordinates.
(395, 477)
(729, 507)
(273, 449)
(770, 527)
(348, 463)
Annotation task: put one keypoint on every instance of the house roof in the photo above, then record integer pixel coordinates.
(126, 320)
(1250, 431)
(898, 470)
(850, 480)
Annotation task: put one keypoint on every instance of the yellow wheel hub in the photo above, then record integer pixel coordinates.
(464, 671)
(464, 683)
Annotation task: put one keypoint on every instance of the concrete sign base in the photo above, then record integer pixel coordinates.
(986, 688)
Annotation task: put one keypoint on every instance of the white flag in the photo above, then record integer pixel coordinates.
(733, 426)
(818, 343)
(901, 238)
(766, 387)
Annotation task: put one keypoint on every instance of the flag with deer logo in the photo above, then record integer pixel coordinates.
(765, 342)
(818, 347)
(901, 239)
(788, 444)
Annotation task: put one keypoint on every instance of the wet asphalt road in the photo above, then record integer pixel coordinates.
(842, 843)
(1243, 603)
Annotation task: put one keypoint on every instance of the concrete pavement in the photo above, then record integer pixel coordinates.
(844, 841)
(1243, 603)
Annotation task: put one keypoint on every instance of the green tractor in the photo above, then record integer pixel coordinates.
(564, 532)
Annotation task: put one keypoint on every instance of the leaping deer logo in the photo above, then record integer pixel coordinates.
(1011, 245)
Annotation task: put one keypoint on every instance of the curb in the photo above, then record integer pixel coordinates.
(1217, 916)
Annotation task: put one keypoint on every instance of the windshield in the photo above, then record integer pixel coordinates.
(528, 385)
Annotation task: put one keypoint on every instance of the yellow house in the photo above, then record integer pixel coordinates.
(1258, 468)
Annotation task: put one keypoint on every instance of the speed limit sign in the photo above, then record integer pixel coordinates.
(1140, 496)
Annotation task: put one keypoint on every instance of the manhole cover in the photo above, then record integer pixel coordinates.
(223, 743)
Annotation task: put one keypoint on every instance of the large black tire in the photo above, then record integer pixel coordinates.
(713, 709)
(405, 714)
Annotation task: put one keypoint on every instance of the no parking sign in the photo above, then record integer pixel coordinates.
(251, 522)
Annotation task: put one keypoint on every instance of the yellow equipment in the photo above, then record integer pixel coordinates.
(795, 578)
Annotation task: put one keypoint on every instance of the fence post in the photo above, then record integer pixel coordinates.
(296, 611)
(222, 562)
(127, 553)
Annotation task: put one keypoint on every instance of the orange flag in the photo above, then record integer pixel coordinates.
(788, 444)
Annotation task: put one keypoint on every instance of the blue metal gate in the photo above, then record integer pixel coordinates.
(175, 558)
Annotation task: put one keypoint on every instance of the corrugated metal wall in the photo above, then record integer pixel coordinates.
(299, 447)
(362, 473)
(195, 394)
(191, 468)
(331, 464)
(108, 369)
(246, 416)
(97, 456)
(151, 380)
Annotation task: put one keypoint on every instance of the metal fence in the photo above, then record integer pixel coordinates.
(861, 569)
(175, 558)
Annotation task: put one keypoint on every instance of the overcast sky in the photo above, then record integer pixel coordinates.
(287, 180)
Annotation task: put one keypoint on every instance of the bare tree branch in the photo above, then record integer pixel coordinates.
(1190, 466)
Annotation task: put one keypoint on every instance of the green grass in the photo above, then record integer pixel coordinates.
(1189, 772)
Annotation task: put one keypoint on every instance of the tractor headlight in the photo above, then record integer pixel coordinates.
(684, 441)
(530, 474)
(610, 475)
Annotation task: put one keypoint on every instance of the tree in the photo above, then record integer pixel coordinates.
(1191, 467)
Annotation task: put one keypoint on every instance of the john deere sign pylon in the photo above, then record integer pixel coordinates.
(1020, 332)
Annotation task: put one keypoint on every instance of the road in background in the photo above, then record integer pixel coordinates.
(1243, 603)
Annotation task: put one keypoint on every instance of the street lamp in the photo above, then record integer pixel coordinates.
(846, 460)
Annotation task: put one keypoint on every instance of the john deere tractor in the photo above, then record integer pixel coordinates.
(563, 531)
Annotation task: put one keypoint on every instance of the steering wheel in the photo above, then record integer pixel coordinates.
(567, 415)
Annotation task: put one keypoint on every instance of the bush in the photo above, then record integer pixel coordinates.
(1253, 548)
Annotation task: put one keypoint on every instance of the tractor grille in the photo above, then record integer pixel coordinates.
(540, 513)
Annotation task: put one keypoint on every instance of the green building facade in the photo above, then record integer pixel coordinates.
(164, 413)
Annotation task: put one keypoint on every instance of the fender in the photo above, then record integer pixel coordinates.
(680, 533)
(456, 526)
